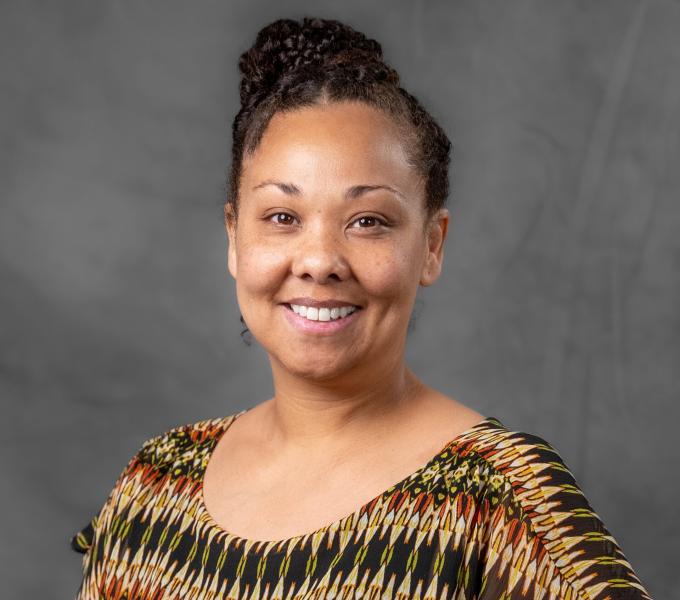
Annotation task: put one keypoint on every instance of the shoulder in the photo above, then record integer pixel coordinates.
(536, 524)
(525, 470)
(517, 455)
(179, 450)
(175, 455)
(511, 467)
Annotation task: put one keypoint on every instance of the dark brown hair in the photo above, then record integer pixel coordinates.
(295, 64)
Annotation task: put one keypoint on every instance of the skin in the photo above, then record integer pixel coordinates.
(328, 411)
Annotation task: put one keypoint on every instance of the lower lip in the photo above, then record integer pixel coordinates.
(319, 327)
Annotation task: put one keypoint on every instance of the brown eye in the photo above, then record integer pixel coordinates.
(369, 221)
(285, 221)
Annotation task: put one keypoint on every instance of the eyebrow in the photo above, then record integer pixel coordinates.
(350, 194)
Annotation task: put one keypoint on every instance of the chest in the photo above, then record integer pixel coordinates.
(281, 503)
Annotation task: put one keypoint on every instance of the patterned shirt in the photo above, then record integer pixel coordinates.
(495, 514)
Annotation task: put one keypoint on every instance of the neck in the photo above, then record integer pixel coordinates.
(363, 404)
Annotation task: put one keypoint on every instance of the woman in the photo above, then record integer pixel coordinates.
(355, 478)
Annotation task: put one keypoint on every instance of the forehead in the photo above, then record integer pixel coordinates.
(339, 140)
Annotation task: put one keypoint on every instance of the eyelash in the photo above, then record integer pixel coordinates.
(380, 221)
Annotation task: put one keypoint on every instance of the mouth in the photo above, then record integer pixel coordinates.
(322, 321)
(323, 314)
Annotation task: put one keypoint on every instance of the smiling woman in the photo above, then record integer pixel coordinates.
(355, 479)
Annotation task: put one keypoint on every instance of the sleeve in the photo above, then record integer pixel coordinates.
(82, 540)
(542, 538)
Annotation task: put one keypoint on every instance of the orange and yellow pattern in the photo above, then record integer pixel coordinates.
(496, 514)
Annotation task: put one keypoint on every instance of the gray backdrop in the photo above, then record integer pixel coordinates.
(558, 310)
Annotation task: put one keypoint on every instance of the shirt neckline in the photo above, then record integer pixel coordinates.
(249, 545)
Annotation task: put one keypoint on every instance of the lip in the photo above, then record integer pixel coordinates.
(318, 327)
(332, 303)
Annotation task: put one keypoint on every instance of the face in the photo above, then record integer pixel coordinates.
(331, 212)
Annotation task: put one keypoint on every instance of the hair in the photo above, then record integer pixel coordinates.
(294, 64)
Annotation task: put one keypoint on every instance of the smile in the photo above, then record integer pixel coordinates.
(322, 314)
(322, 320)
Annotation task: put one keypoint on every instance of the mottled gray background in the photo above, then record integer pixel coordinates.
(558, 311)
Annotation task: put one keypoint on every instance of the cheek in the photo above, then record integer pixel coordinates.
(260, 270)
(392, 274)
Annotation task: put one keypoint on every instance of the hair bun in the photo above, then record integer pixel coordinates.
(285, 46)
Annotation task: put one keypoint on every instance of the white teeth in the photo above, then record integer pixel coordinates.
(322, 314)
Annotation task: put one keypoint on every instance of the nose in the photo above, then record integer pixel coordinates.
(320, 256)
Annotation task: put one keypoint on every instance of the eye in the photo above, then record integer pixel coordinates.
(278, 221)
(369, 222)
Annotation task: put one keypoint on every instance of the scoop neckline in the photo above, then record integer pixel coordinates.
(249, 545)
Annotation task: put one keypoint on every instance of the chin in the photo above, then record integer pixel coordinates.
(319, 369)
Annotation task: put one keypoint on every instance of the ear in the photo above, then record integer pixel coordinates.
(436, 235)
(230, 226)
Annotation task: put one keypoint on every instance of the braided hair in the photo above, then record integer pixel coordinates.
(294, 64)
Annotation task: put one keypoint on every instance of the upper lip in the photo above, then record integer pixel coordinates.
(305, 301)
